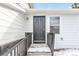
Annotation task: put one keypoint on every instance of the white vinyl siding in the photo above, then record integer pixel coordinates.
(68, 37)
(12, 25)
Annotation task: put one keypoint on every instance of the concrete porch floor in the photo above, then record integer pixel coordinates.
(39, 50)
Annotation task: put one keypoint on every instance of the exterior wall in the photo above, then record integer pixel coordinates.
(29, 24)
(68, 30)
(12, 25)
(78, 28)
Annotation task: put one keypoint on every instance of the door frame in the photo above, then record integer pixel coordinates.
(45, 28)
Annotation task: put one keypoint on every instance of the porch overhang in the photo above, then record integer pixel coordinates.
(54, 11)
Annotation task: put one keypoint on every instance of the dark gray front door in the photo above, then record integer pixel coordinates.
(39, 29)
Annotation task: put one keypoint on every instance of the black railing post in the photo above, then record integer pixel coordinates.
(50, 42)
(0, 50)
(29, 39)
(25, 46)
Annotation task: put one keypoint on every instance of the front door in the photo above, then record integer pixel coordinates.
(39, 29)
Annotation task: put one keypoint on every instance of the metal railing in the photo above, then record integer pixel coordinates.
(29, 39)
(20, 48)
(50, 42)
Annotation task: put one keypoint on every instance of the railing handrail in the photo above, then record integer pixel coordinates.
(9, 50)
(18, 43)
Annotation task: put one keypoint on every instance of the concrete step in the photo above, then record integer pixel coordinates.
(39, 54)
(39, 41)
(39, 50)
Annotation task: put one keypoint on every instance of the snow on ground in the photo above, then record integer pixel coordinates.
(67, 52)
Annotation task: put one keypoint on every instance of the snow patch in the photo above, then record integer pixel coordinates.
(67, 52)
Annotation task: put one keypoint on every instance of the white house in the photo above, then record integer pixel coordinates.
(68, 26)
(15, 20)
